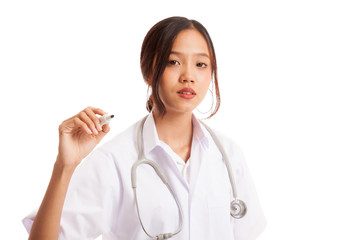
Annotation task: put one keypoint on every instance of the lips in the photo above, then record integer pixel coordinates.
(187, 91)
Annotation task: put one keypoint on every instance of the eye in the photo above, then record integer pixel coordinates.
(173, 62)
(202, 65)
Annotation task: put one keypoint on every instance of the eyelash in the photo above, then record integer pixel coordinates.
(202, 65)
(175, 62)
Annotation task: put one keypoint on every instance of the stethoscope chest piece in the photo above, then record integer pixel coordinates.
(237, 208)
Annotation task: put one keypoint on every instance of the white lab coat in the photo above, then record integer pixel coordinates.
(100, 199)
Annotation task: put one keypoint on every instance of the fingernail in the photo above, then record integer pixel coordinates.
(99, 127)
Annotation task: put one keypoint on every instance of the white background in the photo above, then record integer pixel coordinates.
(289, 75)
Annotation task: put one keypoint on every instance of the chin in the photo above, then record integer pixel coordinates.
(180, 110)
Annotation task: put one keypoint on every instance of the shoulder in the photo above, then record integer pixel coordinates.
(122, 148)
(226, 141)
(124, 140)
(230, 147)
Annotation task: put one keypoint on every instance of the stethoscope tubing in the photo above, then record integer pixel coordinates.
(237, 207)
(143, 160)
(225, 157)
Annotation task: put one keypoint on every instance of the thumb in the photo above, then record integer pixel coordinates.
(105, 130)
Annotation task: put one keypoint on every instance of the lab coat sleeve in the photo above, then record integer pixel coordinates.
(92, 199)
(253, 223)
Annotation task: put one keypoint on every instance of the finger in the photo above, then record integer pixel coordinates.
(106, 128)
(78, 122)
(72, 123)
(96, 110)
(83, 116)
(99, 111)
(91, 112)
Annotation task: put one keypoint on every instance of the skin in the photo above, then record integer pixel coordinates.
(78, 136)
(189, 66)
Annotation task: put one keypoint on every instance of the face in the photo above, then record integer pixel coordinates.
(187, 76)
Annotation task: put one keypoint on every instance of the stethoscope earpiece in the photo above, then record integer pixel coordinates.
(237, 208)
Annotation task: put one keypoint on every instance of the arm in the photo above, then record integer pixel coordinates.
(47, 221)
(77, 138)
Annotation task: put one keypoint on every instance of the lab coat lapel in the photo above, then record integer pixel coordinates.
(199, 153)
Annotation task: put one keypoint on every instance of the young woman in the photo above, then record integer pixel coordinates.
(119, 192)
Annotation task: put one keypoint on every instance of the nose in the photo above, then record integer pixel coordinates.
(186, 80)
(187, 75)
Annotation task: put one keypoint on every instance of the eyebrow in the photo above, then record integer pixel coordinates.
(196, 54)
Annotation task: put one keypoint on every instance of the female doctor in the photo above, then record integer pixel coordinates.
(119, 192)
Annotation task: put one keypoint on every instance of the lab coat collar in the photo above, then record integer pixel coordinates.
(200, 135)
(150, 134)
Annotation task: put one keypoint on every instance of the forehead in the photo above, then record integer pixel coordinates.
(190, 41)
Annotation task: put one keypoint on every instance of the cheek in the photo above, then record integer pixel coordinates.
(205, 80)
(165, 84)
(168, 76)
(203, 90)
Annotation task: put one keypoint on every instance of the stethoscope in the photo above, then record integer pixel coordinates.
(237, 206)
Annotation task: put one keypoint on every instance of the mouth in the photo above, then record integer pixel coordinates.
(187, 91)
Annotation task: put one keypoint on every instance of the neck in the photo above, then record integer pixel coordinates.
(175, 129)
